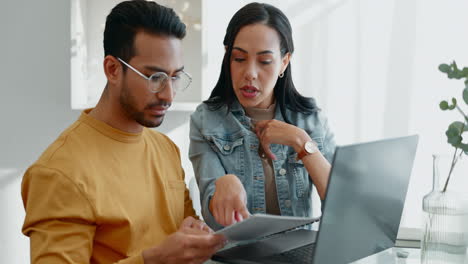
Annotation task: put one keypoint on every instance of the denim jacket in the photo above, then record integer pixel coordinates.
(223, 144)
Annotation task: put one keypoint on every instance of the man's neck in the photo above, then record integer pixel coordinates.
(115, 116)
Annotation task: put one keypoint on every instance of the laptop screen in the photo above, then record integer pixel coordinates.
(364, 201)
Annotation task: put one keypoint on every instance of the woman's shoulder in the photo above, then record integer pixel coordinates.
(206, 115)
(219, 122)
(308, 121)
(205, 110)
(298, 116)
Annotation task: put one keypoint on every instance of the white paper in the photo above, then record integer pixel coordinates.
(262, 225)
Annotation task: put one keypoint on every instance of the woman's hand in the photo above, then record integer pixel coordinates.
(228, 204)
(278, 132)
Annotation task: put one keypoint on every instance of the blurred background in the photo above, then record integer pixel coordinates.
(370, 64)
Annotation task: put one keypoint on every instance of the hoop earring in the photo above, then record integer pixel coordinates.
(281, 75)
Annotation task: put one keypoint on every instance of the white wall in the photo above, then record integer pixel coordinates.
(34, 102)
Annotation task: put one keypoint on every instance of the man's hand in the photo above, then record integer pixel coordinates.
(193, 243)
(228, 204)
(192, 223)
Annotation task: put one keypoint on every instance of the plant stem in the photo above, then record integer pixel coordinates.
(461, 112)
(454, 161)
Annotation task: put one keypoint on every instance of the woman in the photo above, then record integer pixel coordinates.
(256, 144)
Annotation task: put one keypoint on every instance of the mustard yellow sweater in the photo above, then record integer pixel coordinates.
(100, 195)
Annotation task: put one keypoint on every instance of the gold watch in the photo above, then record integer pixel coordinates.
(310, 147)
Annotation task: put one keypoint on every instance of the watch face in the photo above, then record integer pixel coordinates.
(310, 147)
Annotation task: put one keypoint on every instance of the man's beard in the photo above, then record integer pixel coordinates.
(128, 103)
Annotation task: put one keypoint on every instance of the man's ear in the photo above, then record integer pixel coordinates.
(112, 69)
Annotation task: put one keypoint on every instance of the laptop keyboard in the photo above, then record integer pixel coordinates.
(296, 246)
(298, 255)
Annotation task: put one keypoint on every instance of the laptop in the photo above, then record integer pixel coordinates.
(361, 212)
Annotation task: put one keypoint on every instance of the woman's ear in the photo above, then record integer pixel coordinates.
(112, 69)
(285, 62)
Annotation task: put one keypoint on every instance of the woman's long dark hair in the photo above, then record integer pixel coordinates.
(284, 91)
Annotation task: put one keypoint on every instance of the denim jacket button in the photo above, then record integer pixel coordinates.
(227, 147)
(287, 203)
(282, 172)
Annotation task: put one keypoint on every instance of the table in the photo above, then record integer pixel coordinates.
(389, 256)
(393, 256)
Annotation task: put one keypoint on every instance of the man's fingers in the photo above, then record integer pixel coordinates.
(196, 256)
(207, 241)
(204, 247)
(202, 226)
(194, 231)
(188, 222)
(199, 229)
(206, 228)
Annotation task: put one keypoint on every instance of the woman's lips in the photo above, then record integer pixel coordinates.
(249, 91)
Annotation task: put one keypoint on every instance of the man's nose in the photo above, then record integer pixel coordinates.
(167, 93)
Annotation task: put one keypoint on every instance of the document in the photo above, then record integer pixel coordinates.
(262, 225)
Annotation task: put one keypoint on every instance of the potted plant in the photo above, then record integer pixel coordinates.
(445, 236)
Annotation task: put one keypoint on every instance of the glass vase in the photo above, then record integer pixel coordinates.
(445, 237)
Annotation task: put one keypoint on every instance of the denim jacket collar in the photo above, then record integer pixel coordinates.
(238, 110)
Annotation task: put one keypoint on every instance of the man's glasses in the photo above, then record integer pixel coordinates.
(158, 80)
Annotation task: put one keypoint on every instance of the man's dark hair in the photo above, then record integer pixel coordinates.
(130, 17)
(284, 91)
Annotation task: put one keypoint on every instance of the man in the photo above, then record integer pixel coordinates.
(109, 189)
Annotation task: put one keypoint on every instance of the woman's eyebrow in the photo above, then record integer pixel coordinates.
(258, 53)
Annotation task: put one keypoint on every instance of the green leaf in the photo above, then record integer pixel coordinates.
(454, 132)
(459, 126)
(453, 137)
(465, 95)
(465, 71)
(462, 146)
(454, 104)
(454, 140)
(445, 68)
(443, 105)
